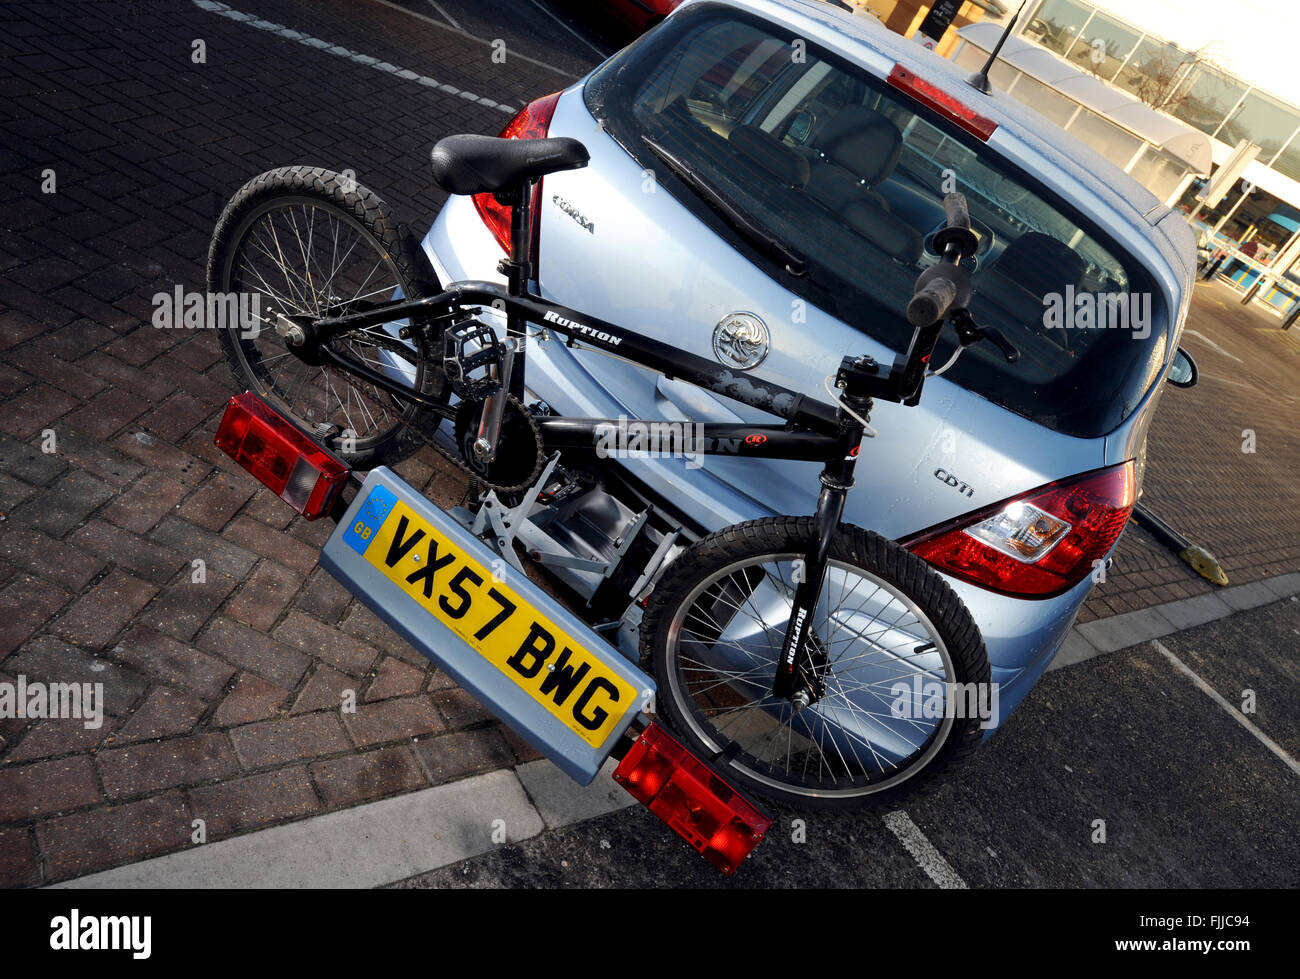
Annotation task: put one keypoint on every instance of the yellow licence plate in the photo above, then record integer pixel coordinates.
(538, 656)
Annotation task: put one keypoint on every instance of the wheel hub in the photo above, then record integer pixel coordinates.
(299, 335)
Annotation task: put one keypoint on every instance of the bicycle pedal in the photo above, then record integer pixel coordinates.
(471, 360)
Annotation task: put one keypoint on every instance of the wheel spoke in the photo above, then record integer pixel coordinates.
(306, 258)
(724, 648)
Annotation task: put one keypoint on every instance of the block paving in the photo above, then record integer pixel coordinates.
(223, 683)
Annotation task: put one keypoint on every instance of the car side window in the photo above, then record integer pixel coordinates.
(718, 81)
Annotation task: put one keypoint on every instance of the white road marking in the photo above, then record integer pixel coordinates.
(445, 16)
(476, 39)
(1204, 339)
(1236, 715)
(1226, 380)
(922, 850)
(362, 59)
(551, 14)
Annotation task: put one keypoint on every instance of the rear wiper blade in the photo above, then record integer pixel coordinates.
(794, 263)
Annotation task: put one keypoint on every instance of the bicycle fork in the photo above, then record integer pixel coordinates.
(804, 656)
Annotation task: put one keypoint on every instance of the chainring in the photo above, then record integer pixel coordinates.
(518, 429)
(520, 456)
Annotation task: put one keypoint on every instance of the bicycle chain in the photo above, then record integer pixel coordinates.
(455, 457)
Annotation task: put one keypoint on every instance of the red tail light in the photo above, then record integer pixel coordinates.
(305, 476)
(533, 121)
(1038, 544)
(691, 798)
(941, 102)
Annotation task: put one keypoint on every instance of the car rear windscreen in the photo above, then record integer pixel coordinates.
(849, 174)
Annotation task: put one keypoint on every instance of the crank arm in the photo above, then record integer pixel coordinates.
(489, 428)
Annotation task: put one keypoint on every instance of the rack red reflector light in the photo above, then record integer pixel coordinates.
(279, 456)
(662, 774)
(933, 97)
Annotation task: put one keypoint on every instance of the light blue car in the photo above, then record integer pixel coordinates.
(849, 136)
(753, 196)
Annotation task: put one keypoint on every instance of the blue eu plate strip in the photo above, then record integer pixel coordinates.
(369, 519)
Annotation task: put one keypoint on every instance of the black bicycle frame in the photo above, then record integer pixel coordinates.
(814, 431)
(470, 296)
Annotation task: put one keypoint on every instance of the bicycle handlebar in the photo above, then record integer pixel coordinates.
(931, 300)
(954, 205)
(942, 288)
(945, 285)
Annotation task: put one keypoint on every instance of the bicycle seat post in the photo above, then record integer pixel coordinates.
(518, 270)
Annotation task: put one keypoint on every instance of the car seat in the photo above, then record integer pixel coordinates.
(854, 152)
(1031, 267)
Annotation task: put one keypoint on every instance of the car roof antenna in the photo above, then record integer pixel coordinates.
(980, 80)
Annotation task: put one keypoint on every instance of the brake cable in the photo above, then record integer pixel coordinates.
(951, 360)
(827, 383)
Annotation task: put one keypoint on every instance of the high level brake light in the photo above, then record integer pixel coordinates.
(533, 121)
(934, 97)
(279, 456)
(691, 798)
(1038, 544)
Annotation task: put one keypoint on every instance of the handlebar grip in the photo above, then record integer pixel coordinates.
(957, 231)
(931, 301)
(954, 205)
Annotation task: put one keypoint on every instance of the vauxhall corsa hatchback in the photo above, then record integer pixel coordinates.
(833, 142)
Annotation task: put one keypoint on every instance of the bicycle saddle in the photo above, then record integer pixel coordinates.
(486, 164)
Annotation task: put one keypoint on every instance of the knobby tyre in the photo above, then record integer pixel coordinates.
(310, 242)
(894, 637)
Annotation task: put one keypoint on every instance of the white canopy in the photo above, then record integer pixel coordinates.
(1167, 134)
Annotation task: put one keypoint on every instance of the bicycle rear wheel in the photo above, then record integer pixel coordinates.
(904, 671)
(305, 241)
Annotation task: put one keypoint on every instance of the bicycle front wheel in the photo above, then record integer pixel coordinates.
(902, 664)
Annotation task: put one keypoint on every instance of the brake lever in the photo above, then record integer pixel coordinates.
(1000, 341)
(968, 332)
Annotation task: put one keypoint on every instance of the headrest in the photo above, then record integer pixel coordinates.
(1041, 263)
(862, 141)
(897, 238)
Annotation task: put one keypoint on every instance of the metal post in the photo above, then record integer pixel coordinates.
(1231, 211)
(1180, 190)
(1198, 558)
(1292, 316)
(519, 273)
(1286, 257)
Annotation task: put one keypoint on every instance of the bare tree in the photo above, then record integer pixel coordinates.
(1157, 79)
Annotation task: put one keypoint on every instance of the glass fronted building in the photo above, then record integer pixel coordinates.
(1066, 52)
(1219, 104)
(1160, 152)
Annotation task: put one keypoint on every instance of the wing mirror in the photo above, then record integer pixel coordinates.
(1182, 372)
